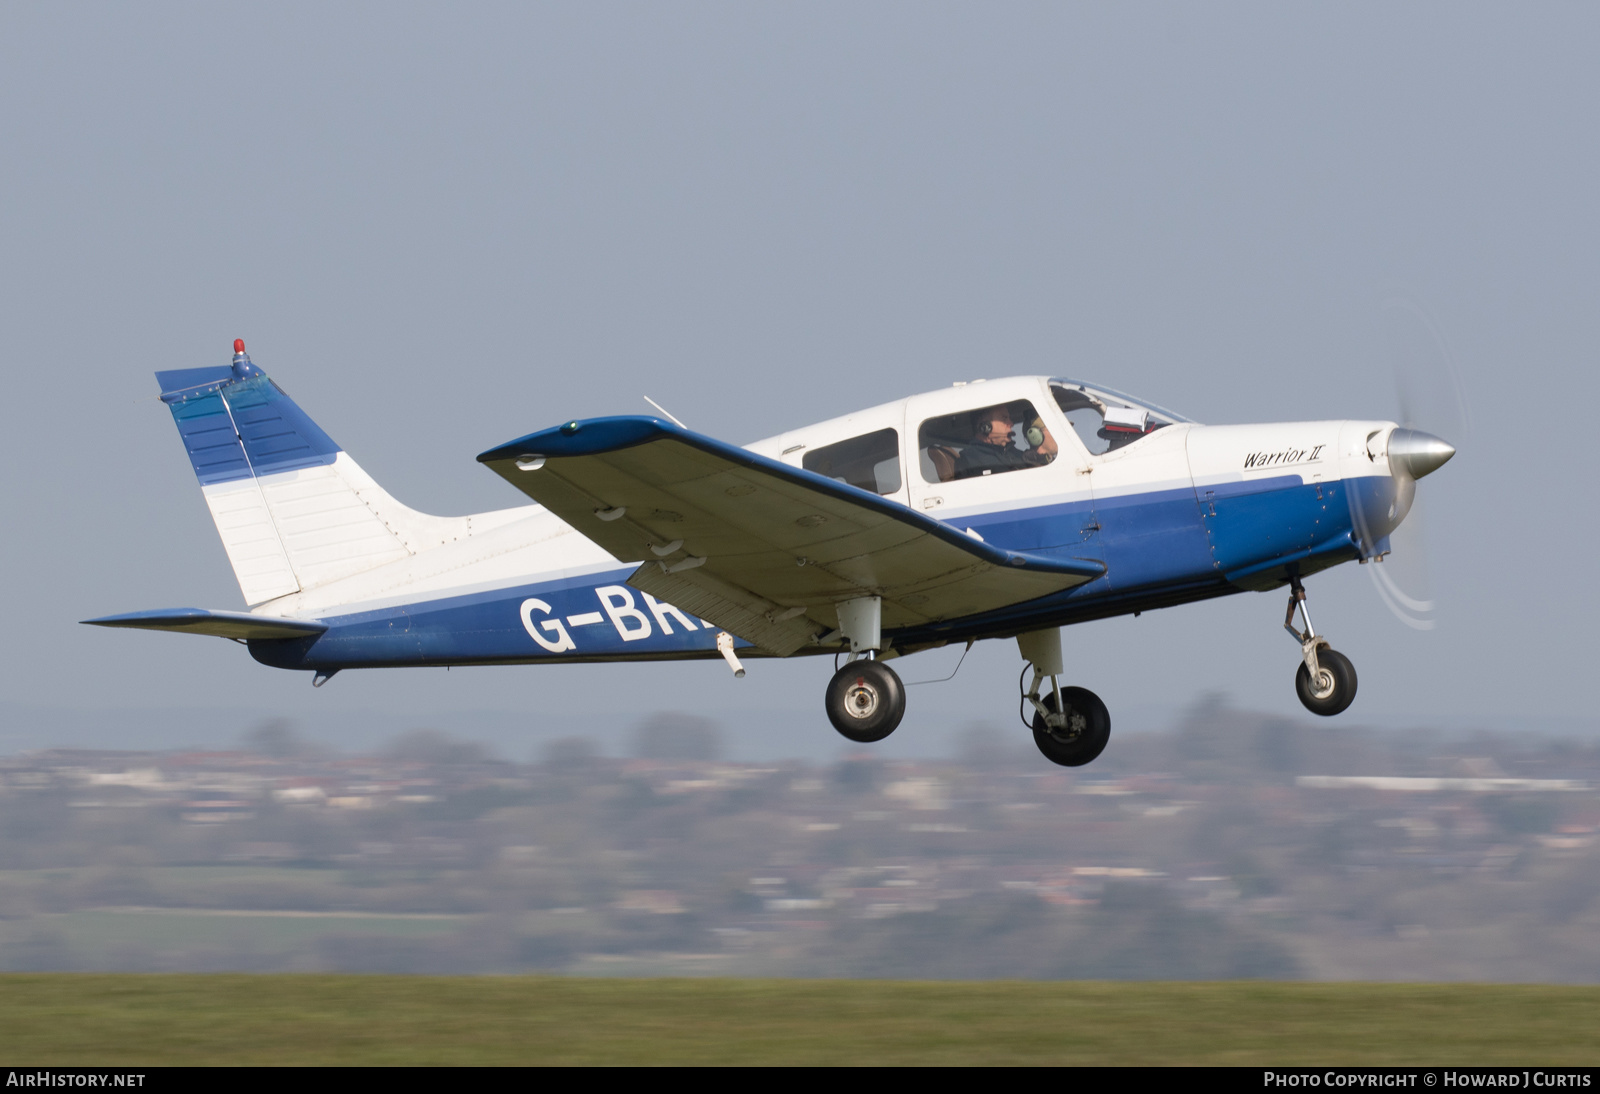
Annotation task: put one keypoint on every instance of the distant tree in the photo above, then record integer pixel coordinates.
(1220, 743)
(1278, 745)
(1523, 814)
(570, 754)
(1250, 874)
(431, 746)
(858, 774)
(41, 949)
(674, 736)
(277, 738)
(1570, 894)
(983, 746)
(1140, 931)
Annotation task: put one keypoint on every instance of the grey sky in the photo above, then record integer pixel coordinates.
(440, 227)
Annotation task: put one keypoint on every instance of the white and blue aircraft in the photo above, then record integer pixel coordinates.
(1005, 508)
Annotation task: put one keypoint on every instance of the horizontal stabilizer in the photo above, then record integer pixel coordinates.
(220, 624)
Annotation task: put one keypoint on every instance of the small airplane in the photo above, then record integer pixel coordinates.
(1005, 508)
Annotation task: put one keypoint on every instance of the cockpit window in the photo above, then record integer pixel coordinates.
(1106, 420)
(989, 440)
(870, 461)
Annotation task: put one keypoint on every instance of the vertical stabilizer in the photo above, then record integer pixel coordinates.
(293, 509)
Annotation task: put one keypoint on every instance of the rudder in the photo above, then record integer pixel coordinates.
(293, 509)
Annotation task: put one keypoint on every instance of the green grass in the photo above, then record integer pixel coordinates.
(132, 1020)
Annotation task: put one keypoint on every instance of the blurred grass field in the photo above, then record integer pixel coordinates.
(131, 1020)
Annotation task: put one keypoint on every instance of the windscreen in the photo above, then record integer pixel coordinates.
(1106, 420)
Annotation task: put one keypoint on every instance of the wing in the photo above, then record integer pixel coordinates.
(221, 624)
(757, 547)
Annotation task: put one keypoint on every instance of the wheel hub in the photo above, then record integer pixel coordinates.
(1324, 685)
(1069, 728)
(861, 701)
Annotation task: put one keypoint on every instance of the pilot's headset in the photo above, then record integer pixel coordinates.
(986, 421)
(1034, 433)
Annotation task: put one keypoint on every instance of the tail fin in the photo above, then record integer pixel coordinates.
(293, 509)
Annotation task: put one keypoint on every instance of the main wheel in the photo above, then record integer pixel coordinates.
(1084, 736)
(1334, 688)
(866, 701)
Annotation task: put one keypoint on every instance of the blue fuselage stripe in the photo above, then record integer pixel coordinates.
(1160, 549)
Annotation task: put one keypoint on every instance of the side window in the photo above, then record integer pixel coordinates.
(871, 461)
(989, 440)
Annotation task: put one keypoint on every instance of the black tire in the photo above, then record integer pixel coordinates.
(1087, 731)
(866, 701)
(1337, 684)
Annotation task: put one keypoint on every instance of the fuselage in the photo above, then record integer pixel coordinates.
(1176, 512)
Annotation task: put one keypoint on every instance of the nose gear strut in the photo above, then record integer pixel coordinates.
(1326, 680)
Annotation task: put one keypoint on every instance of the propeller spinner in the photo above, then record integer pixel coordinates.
(1417, 453)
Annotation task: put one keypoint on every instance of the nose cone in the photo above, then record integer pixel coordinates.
(1418, 453)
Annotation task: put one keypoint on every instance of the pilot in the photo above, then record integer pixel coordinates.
(994, 451)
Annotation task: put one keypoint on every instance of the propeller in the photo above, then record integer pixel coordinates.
(1427, 392)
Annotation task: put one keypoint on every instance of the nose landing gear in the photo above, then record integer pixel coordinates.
(1326, 680)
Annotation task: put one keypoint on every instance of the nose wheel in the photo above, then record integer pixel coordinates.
(866, 701)
(1330, 689)
(1325, 680)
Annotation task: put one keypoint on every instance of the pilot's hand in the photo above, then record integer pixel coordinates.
(1047, 443)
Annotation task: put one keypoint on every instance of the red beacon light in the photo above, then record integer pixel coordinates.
(242, 368)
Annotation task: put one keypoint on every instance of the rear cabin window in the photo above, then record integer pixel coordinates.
(870, 461)
(989, 440)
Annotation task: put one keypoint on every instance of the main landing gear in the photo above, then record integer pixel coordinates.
(1070, 725)
(1326, 680)
(865, 699)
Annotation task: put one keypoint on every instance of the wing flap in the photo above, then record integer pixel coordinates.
(737, 611)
